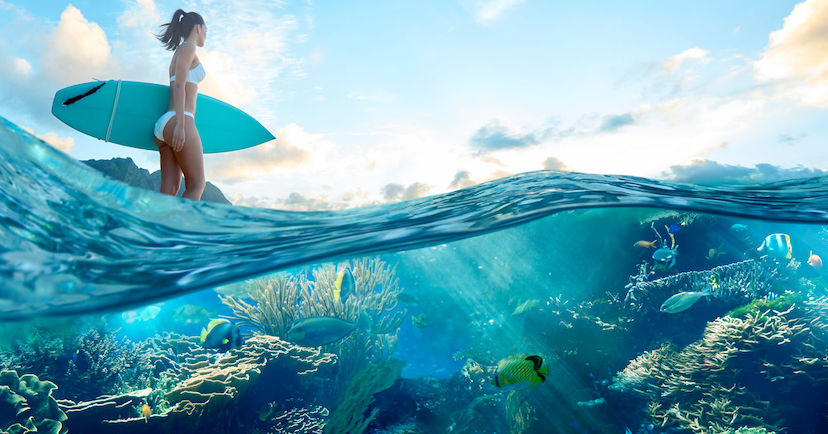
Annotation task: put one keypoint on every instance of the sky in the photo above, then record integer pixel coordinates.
(373, 102)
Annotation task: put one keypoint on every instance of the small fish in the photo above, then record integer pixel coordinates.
(420, 321)
(738, 227)
(526, 306)
(666, 256)
(221, 334)
(407, 299)
(682, 301)
(520, 371)
(714, 253)
(645, 244)
(192, 314)
(592, 403)
(141, 315)
(146, 411)
(345, 285)
(777, 246)
(674, 228)
(814, 261)
(323, 330)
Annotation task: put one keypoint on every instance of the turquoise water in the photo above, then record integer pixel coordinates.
(96, 275)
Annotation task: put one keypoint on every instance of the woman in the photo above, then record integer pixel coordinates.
(175, 132)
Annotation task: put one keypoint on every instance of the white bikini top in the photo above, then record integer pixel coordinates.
(195, 76)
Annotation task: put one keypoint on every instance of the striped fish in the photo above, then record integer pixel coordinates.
(777, 246)
(520, 372)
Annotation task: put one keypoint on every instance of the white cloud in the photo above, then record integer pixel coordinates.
(795, 59)
(21, 67)
(292, 147)
(488, 10)
(675, 63)
(140, 13)
(76, 50)
(249, 53)
(396, 192)
(64, 144)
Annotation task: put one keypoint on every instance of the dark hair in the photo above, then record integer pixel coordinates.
(180, 26)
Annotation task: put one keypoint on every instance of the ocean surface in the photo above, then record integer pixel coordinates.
(650, 307)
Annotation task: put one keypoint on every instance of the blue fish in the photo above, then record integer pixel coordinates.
(675, 227)
(323, 330)
(682, 301)
(666, 256)
(221, 334)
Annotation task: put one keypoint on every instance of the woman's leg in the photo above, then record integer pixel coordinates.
(170, 171)
(190, 159)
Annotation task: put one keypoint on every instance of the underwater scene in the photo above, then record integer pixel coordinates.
(546, 302)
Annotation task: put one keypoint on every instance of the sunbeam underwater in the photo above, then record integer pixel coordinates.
(75, 241)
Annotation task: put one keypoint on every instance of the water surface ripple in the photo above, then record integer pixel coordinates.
(73, 240)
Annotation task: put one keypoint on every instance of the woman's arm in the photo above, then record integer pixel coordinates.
(186, 54)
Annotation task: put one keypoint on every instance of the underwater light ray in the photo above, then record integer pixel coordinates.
(75, 241)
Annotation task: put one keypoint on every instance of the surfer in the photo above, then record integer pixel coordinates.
(175, 132)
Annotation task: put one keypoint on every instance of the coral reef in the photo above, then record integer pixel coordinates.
(27, 405)
(522, 414)
(761, 305)
(213, 394)
(278, 301)
(101, 365)
(82, 415)
(739, 283)
(292, 416)
(282, 299)
(42, 346)
(750, 372)
(91, 364)
(349, 415)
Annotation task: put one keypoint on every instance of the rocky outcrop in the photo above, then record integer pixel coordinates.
(125, 170)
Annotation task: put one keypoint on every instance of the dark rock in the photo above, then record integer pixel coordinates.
(125, 170)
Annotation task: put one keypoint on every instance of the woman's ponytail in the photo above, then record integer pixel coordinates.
(180, 26)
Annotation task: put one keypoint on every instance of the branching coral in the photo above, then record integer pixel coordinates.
(279, 301)
(214, 393)
(101, 365)
(90, 364)
(282, 299)
(737, 372)
(349, 416)
(738, 282)
(276, 303)
(27, 405)
(36, 352)
(293, 416)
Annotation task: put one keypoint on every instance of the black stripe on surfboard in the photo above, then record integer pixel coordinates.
(77, 98)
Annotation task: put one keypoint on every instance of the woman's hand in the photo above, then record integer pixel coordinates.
(179, 136)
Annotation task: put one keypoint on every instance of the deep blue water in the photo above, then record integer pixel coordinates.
(74, 242)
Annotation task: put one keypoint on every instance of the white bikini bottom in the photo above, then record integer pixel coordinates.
(162, 122)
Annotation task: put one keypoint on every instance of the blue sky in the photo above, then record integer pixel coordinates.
(383, 101)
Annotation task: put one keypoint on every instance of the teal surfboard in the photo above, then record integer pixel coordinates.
(124, 112)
